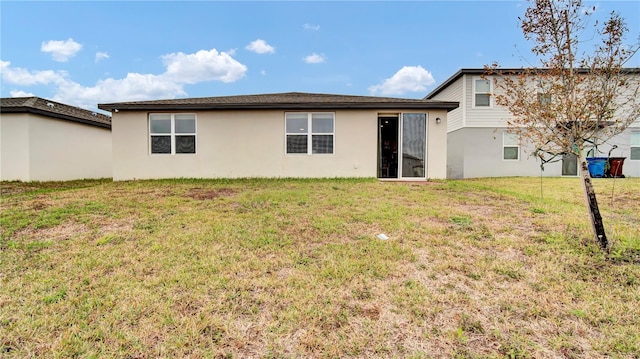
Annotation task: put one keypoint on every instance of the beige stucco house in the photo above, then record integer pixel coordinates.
(480, 145)
(43, 140)
(280, 135)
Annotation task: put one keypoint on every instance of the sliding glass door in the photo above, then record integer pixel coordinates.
(414, 145)
(402, 146)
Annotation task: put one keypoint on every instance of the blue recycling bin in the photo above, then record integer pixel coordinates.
(596, 166)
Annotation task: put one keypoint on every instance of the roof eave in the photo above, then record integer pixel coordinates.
(278, 106)
(24, 109)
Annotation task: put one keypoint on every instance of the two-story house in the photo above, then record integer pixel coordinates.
(480, 145)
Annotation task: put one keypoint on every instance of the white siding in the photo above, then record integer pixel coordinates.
(453, 92)
(493, 116)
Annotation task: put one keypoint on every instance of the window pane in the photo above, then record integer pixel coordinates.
(297, 123)
(322, 123)
(511, 153)
(185, 144)
(322, 144)
(482, 86)
(635, 139)
(635, 153)
(160, 144)
(510, 139)
(160, 125)
(482, 100)
(544, 98)
(296, 144)
(185, 124)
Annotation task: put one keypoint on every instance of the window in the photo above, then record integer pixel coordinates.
(635, 146)
(510, 146)
(481, 93)
(544, 98)
(172, 133)
(310, 133)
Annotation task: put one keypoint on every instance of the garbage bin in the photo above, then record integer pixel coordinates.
(615, 167)
(596, 166)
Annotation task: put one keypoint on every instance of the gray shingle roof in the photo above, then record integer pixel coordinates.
(40, 106)
(287, 100)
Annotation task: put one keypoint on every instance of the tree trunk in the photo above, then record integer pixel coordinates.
(592, 206)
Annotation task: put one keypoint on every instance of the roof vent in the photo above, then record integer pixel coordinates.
(50, 104)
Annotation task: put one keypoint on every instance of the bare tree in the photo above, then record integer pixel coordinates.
(576, 99)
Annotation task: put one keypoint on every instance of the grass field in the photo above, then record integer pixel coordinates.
(293, 268)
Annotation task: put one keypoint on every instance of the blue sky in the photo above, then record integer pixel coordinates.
(90, 52)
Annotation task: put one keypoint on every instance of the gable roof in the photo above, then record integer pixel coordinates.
(40, 106)
(286, 100)
(479, 72)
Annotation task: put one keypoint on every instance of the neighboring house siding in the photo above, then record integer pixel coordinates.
(454, 92)
(39, 148)
(455, 154)
(63, 150)
(492, 116)
(14, 147)
(477, 152)
(236, 144)
(475, 141)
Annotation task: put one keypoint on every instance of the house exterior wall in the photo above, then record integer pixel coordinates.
(14, 147)
(38, 148)
(437, 144)
(477, 152)
(474, 147)
(492, 116)
(455, 118)
(63, 150)
(235, 144)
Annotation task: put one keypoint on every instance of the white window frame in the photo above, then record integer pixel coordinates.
(474, 92)
(505, 136)
(309, 133)
(172, 134)
(632, 145)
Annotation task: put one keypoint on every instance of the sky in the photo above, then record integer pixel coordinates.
(83, 53)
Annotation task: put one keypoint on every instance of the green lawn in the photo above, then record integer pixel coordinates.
(500, 267)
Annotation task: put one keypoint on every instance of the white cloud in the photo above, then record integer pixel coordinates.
(407, 79)
(311, 27)
(181, 69)
(24, 77)
(203, 66)
(315, 59)
(260, 47)
(101, 56)
(134, 87)
(61, 51)
(263, 72)
(20, 93)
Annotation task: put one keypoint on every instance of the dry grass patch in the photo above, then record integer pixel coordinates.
(293, 268)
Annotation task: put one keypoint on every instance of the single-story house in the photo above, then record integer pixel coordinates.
(44, 140)
(280, 135)
(479, 144)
